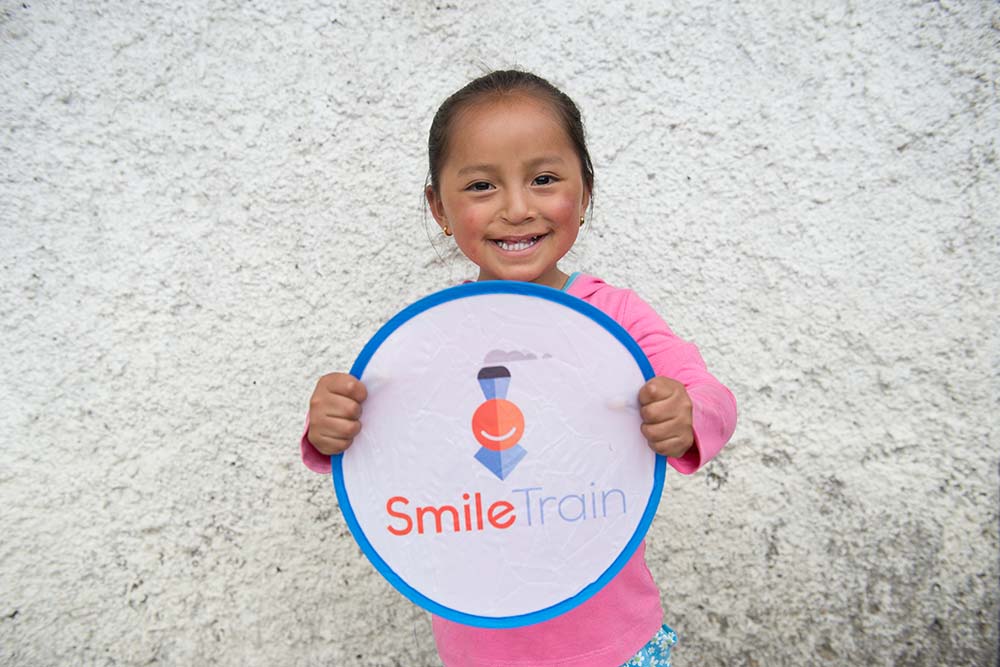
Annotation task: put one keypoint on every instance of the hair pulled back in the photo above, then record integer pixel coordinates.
(499, 84)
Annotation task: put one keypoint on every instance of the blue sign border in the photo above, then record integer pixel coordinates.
(462, 292)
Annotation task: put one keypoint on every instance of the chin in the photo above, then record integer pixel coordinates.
(522, 275)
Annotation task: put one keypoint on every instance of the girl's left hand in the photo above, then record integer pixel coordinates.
(665, 408)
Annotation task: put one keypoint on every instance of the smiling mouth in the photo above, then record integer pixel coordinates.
(519, 244)
(498, 438)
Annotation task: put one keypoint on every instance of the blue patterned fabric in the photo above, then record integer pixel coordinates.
(657, 652)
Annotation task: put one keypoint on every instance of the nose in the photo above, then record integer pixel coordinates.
(518, 207)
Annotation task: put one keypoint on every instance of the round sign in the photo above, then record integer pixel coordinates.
(501, 478)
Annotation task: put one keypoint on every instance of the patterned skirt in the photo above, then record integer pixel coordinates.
(657, 652)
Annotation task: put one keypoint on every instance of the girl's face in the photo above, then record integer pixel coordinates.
(511, 190)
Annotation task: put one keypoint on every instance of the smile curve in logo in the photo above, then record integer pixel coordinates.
(498, 424)
(499, 438)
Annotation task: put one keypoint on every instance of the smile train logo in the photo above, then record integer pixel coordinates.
(498, 424)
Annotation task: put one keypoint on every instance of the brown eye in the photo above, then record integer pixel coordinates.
(479, 186)
(544, 179)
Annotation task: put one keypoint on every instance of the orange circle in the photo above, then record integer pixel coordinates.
(498, 424)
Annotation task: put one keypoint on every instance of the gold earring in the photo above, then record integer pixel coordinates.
(447, 232)
(581, 221)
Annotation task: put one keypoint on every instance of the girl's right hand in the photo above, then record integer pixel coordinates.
(335, 412)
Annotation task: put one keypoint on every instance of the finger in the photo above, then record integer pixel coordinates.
(657, 389)
(672, 409)
(658, 411)
(356, 390)
(339, 406)
(347, 385)
(329, 446)
(333, 437)
(323, 406)
(662, 431)
(338, 428)
(672, 447)
(647, 393)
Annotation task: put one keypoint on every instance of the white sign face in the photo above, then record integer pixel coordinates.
(500, 478)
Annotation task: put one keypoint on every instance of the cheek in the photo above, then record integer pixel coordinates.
(466, 218)
(468, 241)
(565, 207)
(469, 225)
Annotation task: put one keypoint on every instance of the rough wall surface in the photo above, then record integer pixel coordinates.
(205, 206)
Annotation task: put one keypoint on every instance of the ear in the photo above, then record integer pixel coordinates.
(436, 206)
(586, 200)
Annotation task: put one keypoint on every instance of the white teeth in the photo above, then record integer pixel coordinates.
(518, 245)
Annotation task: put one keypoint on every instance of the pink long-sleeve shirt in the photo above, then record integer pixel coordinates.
(616, 622)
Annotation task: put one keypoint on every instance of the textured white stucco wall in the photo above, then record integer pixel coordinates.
(205, 206)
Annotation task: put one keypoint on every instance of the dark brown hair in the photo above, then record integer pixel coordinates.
(499, 84)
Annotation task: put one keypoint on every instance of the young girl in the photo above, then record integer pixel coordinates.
(510, 181)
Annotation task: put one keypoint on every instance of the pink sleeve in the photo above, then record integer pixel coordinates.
(714, 407)
(311, 456)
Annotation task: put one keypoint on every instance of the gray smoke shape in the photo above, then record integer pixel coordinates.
(500, 356)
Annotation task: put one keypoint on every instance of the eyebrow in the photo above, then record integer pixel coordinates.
(531, 164)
